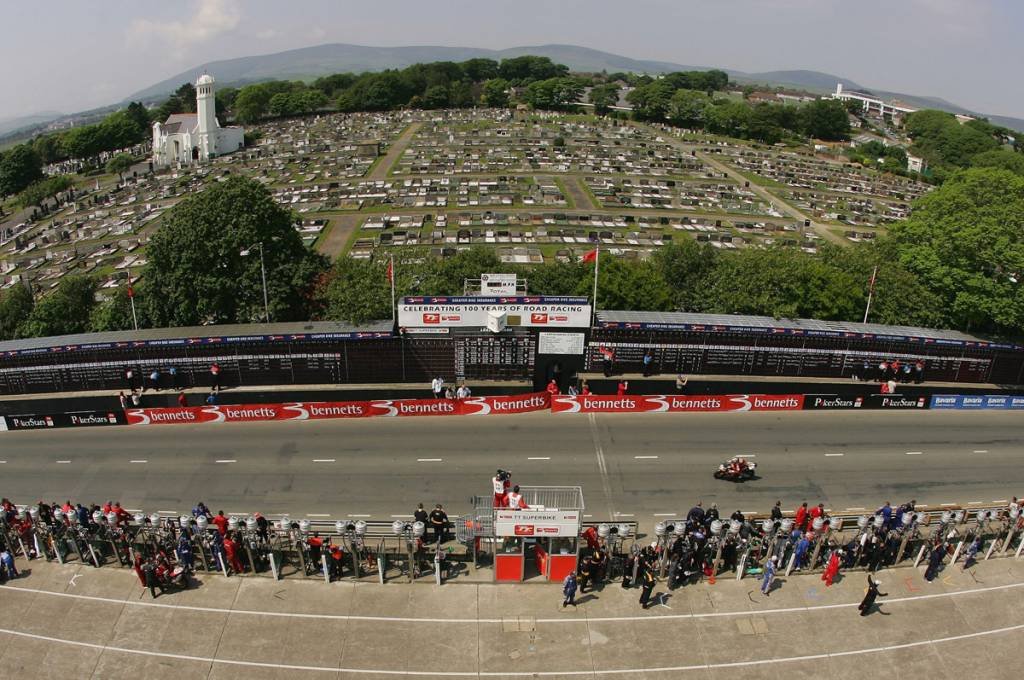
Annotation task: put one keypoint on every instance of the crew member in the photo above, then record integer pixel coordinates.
(501, 482)
(514, 499)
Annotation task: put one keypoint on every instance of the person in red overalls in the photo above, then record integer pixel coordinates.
(552, 388)
(623, 386)
(832, 570)
(222, 522)
(801, 516)
(501, 482)
(231, 550)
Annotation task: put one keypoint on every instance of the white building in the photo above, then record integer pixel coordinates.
(186, 138)
(872, 105)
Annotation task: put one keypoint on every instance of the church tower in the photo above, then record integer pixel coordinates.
(206, 110)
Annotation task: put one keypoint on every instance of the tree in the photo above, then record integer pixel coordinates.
(528, 68)
(631, 284)
(495, 93)
(684, 266)
(196, 273)
(435, 97)
(559, 278)
(138, 113)
(15, 307)
(965, 241)
(825, 119)
(728, 117)
(121, 163)
(38, 192)
(115, 313)
(186, 94)
(19, 167)
(1000, 158)
(479, 70)
(64, 311)
(358, 291)
(652, 101)
(604, 97)
(687, 108)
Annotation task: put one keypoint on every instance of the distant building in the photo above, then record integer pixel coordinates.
(916, 164)
(872, 105)
(186, 138)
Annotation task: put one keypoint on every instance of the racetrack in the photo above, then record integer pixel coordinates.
(639, 466)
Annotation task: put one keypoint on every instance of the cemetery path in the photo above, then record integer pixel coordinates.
(819, 228)
(401, 143)
(333, 245)
(575, 189)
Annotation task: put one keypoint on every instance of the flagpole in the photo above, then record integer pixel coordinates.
(131, 297)
(597, 264)
(392, 277)
(871, 292)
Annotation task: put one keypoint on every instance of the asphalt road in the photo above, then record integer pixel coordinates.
(383, 467)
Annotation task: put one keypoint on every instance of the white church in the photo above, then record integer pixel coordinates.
(186, 138)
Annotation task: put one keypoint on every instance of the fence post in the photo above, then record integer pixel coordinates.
(95, 558)
(327, 573)
(223, 567)
(380, 568)
(273, 566)
(437, 569)
(792, 563)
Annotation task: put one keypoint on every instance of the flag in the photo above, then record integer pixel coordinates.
(871, 281)
(391, 270)
(590, 256)
(131, 291)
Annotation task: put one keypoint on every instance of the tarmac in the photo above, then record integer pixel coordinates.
(82, 622)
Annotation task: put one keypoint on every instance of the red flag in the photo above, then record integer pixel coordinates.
(590, 256)
(871, 282)
(391, 271)
(131, 291)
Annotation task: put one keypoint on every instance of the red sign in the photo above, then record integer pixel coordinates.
(676, 403)
(524, 530)
(473, 406)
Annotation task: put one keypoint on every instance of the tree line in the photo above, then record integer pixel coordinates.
(955, 263)
(949, 145)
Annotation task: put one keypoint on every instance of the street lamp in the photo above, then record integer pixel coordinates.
(263, 275)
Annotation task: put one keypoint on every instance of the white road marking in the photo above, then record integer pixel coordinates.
(832, 455)
(401, 516)
(855, 508)
(429, 460)
(63, 462)
(227, 460)
(317, 514)
(104, 649)
(2, 462)
(974, 502)
(602, 466)
(585, 516)
(323, 460)
(664, 514)
(914, 453)
(138, 461)
(624, 514)
(644, 457)
(406, 619)
(980, 450)
(539, 458)
(167, 512)
(948, 505)
(1001, 501)
(360, 515)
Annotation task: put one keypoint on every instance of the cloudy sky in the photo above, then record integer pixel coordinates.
(69, 55)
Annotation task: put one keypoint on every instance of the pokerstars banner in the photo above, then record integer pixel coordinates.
(248, 413)
(661, 403)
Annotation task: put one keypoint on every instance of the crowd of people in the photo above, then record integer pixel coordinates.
(442, 390)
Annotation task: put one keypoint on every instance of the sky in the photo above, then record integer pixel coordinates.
(69, 55)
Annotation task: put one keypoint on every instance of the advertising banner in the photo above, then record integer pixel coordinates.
(835, 402)
(248, 413)
(977, 401)
(536, 523)
(676, 403)
(472, 312)
(75, 419)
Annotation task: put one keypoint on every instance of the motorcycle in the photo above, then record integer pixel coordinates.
(727, 472)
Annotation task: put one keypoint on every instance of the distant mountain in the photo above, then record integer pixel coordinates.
(15, 124)
(311, 62)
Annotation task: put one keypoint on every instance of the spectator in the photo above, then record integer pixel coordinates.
(552, 388)
(173, 373)
(211, 398)
(768, 580)
(136, 399)
(438, 520)
(463, 392)
(919, 372)
(648, 363)
(681, 381)
(154, 380)
(449, 393)
(182, 400)
(585, 389)
(569, 590)
(420, 515)
(437, 387)
(129, 377)
(623, 386)
(123, 400)
(215, 376)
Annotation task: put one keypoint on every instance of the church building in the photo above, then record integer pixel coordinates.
(186, 138)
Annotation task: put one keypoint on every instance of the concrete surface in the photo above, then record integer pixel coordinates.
(100, 623)
(630, 466)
